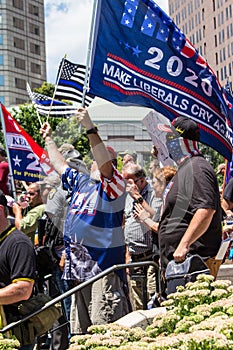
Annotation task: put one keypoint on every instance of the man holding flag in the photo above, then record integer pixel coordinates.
(94, 236)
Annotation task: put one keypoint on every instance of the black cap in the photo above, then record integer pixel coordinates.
(3, 200)
(187, 128)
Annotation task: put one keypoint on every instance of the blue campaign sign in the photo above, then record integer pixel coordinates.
(140, 57)
(29, 161)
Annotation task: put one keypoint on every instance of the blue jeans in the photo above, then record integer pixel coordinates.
(27, 347)
(62, 286)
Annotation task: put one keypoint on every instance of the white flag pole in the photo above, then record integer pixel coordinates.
(89, 52)
(30, 95)
(8, 156)
(56, 84)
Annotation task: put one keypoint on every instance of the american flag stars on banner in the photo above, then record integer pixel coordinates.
(129, 13)
(157, 23)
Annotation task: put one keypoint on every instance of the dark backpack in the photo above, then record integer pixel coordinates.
(178, 274)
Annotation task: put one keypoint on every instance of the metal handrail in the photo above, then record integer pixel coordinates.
(77, 288)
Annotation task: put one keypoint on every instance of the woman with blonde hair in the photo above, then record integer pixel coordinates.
(161, 178)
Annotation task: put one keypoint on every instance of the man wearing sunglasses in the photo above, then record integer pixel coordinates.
(28, 222)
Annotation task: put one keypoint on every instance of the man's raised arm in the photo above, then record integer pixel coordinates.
(99, 150)
(56, 159)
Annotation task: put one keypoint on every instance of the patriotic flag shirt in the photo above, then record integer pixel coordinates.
(94, 236)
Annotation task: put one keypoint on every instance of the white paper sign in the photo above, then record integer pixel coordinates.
(223, 249)
(157, 125)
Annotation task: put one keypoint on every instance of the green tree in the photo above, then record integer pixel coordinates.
(68, 131)
(211, 155)
(46, 89)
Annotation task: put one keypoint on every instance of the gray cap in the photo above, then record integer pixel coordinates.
(50, 181)
(68, 151)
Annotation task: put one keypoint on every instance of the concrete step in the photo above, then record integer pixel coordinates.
(226, 271)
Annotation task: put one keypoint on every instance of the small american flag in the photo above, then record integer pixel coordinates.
(47, 106)
(70, 83)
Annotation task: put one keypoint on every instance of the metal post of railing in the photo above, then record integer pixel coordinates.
(77, 288)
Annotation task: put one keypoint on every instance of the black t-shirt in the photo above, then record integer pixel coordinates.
(194, 186)
(228, 191)
(17, 257)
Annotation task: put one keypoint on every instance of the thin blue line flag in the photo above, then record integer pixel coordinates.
(140, 57)
(71, 77)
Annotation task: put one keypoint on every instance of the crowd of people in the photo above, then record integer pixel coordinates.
(90, 221)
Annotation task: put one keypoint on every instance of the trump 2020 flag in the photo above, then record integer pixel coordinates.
(140, 57)
(29, 161)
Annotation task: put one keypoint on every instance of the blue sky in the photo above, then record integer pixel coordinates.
(67, 26)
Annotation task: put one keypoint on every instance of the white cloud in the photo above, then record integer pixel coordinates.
(67, 26)
(67, 30)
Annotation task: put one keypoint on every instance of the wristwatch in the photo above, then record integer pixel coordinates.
(139, 200)
(92, 130)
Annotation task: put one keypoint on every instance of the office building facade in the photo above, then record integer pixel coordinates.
(22, 49)
(209, 26)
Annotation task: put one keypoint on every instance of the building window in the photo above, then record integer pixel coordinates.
(18, 4)
(34, 29)
(225, 72)
(19, 63)
(215, 26)
(0, 39)
(34, 48)
(200, 50)
(230, 70)
(227, 14)
(20, 83)
(231, 30)
(35, 68)
(224, 53)
(1, 80)
(216, 58)
(215, 40)
(19, 101)
(1, 60)
(203, 14)
(19, 43)
(18, 23)
(35, 86)
(33, 10)
(221, 74)
(2, 98)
